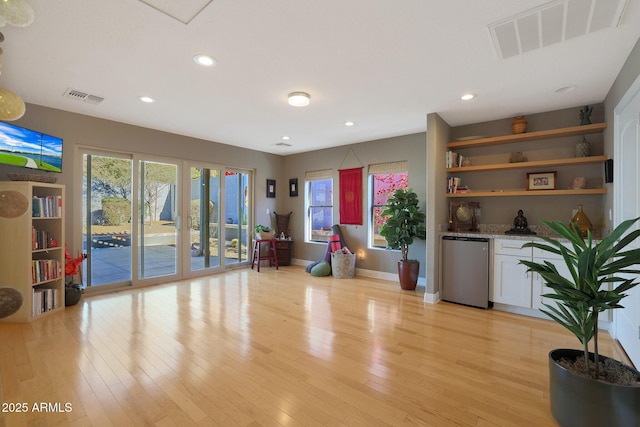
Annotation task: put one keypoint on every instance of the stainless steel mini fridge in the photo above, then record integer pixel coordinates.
(465, 270)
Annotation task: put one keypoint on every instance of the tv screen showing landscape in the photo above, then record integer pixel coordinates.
(30, 149)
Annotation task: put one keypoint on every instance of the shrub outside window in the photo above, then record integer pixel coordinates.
(383, 185)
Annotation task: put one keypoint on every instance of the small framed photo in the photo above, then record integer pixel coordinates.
(541, 181)
(271, 188)
(293, 187)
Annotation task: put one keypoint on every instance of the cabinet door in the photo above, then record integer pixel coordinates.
(538, 285)
(511, 282)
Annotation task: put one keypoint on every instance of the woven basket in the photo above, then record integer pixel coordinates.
(519, 125)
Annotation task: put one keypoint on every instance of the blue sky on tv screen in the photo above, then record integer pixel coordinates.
(20, 140)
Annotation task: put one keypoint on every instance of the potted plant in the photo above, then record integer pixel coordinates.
(263, 232)
(72, 267)
(600, 274)
(405, 221)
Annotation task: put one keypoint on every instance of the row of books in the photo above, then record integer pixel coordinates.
(453, 159)
(46, 206)
(44, 300)
(42, 239)
(43, 270)
(454, 186)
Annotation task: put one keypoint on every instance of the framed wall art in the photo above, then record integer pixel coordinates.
(541, 181)
(271, 188)
(293, 187)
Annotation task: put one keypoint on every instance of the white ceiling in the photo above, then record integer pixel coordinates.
(384, 64)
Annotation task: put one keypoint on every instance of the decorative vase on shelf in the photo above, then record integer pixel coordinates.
(517, 157)
(519, 125)
(582, 221)
(583, 148)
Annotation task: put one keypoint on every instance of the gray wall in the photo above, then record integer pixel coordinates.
(410, 148)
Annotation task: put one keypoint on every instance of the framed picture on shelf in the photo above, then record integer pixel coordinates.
(541, 181)
(293, 187)
(271, 188)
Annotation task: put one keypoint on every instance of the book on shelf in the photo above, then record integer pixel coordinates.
(44, 299)
(463, 189)
(453, 159)
(46, 206)
(452, 184)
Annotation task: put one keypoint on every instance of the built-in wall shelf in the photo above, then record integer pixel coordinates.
(511, 193)
(533, 164)
(528, 136)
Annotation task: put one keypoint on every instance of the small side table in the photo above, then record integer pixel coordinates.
(271, 254)
(283, 247)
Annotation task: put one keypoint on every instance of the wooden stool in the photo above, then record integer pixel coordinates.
(271, 255)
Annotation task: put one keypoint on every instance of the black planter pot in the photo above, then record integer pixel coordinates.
(580, 401)
(72, 295)
(408, 273)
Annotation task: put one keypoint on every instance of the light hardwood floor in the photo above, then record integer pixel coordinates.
(278, 348)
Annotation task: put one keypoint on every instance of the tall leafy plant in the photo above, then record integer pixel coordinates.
(405, 221)
(597, 282)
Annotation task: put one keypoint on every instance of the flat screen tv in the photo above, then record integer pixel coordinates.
(30, 149)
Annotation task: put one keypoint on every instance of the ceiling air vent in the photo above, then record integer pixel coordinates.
(282, 144)
(552, 23)
(83, 96)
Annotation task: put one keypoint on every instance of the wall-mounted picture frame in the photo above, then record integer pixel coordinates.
(293, 187)
(271, 188)
(542, 181)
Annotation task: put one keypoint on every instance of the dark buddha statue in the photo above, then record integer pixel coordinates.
(520, 225)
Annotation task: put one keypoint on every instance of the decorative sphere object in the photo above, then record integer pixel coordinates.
(13, 204)
(11, 105)
(10, 301)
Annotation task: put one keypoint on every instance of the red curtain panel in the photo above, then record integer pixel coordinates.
(351, 196)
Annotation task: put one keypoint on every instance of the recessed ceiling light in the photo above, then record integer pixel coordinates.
(349, 123)
(299, 99)
(564, 89)
(146, 99)
(467, 97)
(286, 138)
(205, 60)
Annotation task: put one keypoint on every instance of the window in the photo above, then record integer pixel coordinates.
(319, 197)
(384, 179)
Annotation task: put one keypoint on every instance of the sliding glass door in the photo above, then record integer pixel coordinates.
(107, 211)
(180, 223)
(158, 219)
(204, 219)
(237, 238)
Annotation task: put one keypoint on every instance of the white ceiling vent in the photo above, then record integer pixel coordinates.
(83, 96)
(180, 10)
(554, 22)
(282, 144)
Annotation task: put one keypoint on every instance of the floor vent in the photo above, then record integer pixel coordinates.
(554, 22)
(83, 96)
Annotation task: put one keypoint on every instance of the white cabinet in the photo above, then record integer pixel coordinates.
(32, 246)
(511, 282)
(538, 285)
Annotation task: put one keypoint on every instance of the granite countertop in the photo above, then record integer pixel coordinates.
(495, 231)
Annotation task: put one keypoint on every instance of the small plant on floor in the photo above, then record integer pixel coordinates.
(593, 267)
(72, 267)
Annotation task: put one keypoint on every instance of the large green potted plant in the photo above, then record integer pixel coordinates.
(600, 274)
(405, 222)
